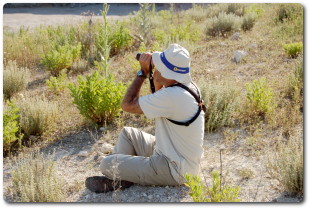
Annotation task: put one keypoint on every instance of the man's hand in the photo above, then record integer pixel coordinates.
(145, 60)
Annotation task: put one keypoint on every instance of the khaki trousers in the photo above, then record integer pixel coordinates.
(134, 160)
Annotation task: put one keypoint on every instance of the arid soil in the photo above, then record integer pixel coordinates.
(78, 155)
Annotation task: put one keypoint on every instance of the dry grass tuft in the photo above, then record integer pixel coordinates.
(221, 104)
(37, 115)
(286, 165)
(15, 79)
(35, 179)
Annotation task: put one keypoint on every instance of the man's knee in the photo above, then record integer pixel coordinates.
(126, 131)
(109, 165)
(105, 164)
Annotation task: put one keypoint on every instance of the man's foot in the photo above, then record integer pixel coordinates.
(101, 184)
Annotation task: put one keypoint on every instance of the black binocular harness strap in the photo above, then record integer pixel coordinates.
(197, 98)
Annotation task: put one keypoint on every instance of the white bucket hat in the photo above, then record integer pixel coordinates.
(173, 63)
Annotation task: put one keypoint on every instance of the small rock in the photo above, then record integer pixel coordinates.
(253, 45)
(107, 148)
(102, 129)
(236, 36)
(167, 187)
(83, 154)
(239, 55)
(150, 196)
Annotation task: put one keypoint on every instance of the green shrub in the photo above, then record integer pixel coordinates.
(221, 103)
(248, 21)
(35, 179)
(60, 57)
(198, 13)
(120, 38)
(37, 115)
(286, 165)
(223, 25)
(289, 27)
(186, 32)
(11, 129)
(98, 98)
(288, 12)
(58, 84)
(236, 9)
(217, 193)
(259, 97)
(15, 79)
(293, 49)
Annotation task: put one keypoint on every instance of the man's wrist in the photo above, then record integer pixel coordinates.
(141, 74)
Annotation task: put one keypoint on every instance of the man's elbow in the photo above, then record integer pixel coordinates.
(124, 106)
(131, 107)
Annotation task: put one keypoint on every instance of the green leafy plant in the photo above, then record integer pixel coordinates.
(293, 49)
(60, 57)
(15, 79)
(58, 84)
(216, 193)
(259, 97)
(98, 98)
(11, 128)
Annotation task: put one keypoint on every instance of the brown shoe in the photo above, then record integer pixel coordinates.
(101, 184)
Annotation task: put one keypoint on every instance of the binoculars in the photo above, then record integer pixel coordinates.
(152, 86)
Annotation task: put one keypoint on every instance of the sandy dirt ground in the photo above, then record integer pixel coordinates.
(14, 18)
(31, 17)
(79, 151)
